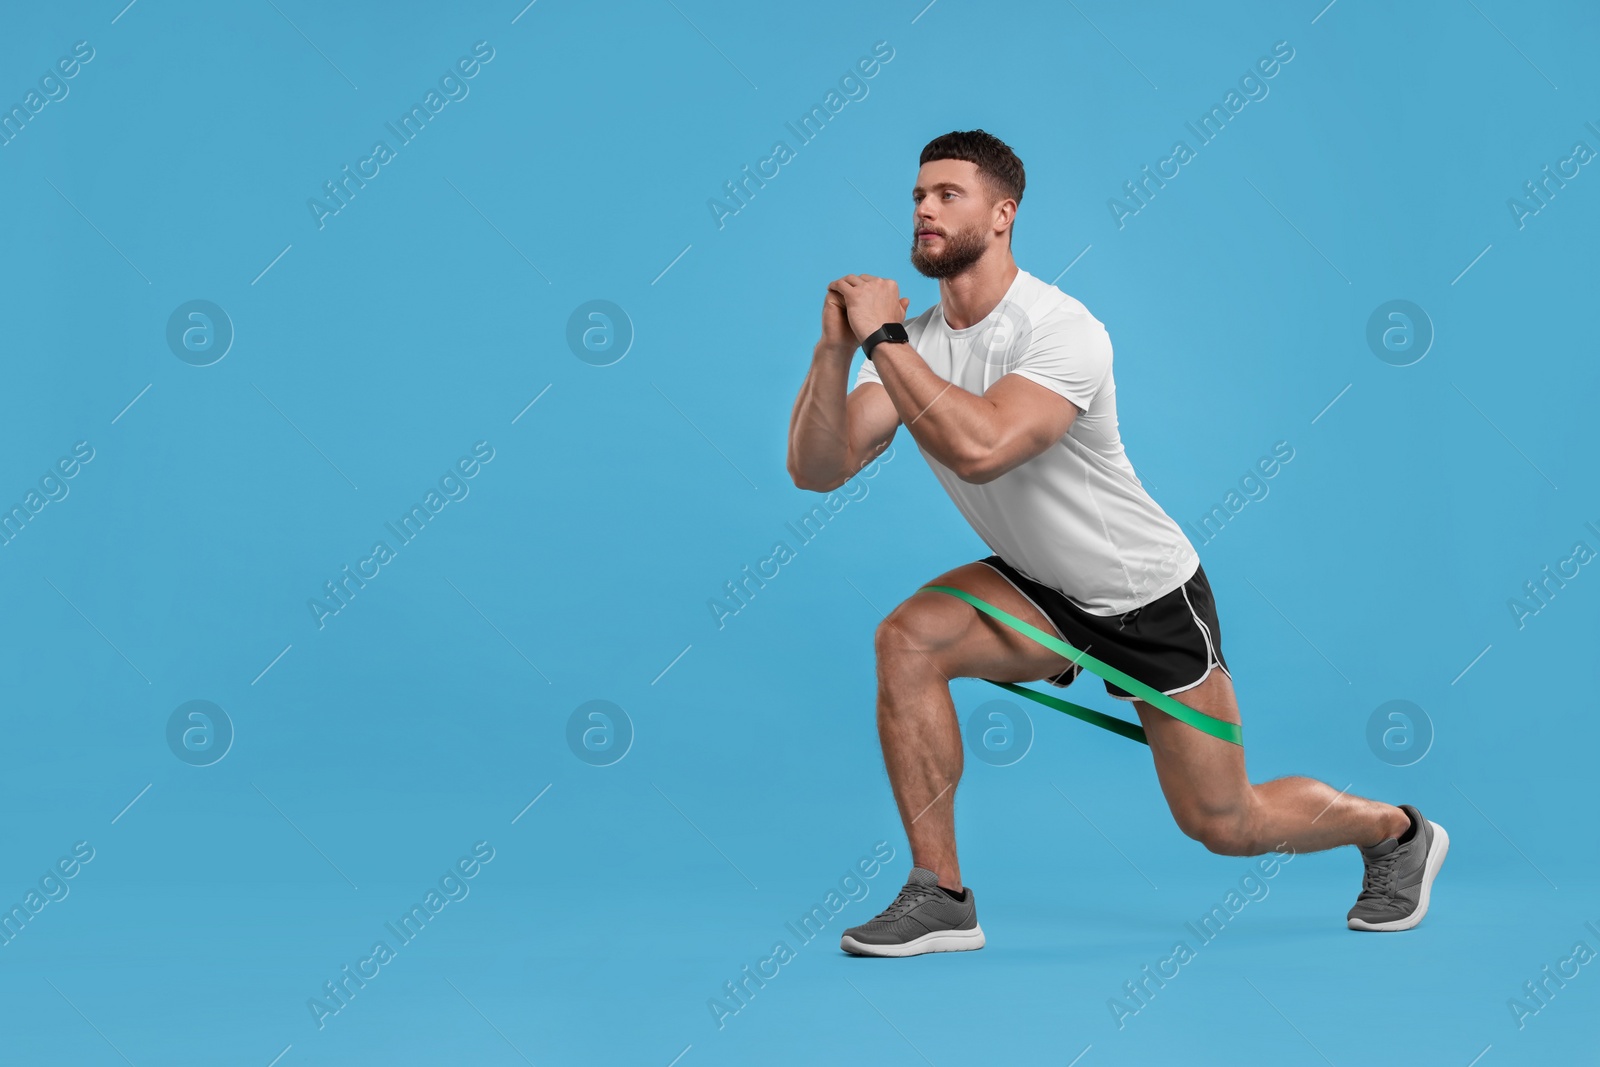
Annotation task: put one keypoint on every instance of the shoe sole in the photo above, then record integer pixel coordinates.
(937, 941)
(1441, 843)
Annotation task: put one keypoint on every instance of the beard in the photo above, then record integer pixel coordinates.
(960, 250)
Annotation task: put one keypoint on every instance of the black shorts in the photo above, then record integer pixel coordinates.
(1170, 644)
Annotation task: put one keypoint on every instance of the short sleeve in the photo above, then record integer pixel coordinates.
(1070, 355)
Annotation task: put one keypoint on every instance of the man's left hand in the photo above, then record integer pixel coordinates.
(870, 302)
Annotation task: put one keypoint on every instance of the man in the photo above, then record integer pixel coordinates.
(1006, 385)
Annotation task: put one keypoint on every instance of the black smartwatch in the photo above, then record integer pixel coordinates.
(893, 332)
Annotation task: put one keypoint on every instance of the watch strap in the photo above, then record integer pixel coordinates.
(889, 331)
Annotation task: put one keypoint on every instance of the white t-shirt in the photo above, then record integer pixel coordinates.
(1075, 517)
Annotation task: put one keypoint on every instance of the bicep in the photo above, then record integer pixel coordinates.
(1030, 418)
(871, 421)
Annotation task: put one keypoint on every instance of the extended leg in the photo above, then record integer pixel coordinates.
(1213, 801)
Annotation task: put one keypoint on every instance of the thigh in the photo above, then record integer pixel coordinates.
(963, 642)
(1201, 776)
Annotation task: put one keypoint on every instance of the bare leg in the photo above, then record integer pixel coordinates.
(921, 645)
(921, 742)
(931, 638)
(1213, 801)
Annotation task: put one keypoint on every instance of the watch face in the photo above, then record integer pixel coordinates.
(888, 333)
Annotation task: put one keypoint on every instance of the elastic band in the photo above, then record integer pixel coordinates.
(1218, 728)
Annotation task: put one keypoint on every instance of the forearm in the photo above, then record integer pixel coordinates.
(958, 428)
(819, 441)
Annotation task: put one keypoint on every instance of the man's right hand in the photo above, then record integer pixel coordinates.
(835, 431)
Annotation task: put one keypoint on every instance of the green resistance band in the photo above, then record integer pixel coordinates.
(1227, 731)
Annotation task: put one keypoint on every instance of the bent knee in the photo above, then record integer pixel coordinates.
(1224, 833)
(919, 629)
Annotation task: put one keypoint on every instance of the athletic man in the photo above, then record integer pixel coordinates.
(1006, 385)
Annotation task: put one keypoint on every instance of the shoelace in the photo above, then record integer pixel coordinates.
(1379, 877)
(911, 894)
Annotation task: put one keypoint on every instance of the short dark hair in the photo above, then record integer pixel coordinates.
(997, 164)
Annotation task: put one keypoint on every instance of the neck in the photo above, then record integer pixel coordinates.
(972, 294)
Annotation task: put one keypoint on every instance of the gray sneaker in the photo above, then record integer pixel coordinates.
(923, 918)
(1394, 890)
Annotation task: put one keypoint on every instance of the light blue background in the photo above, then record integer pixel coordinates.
(431, 710)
